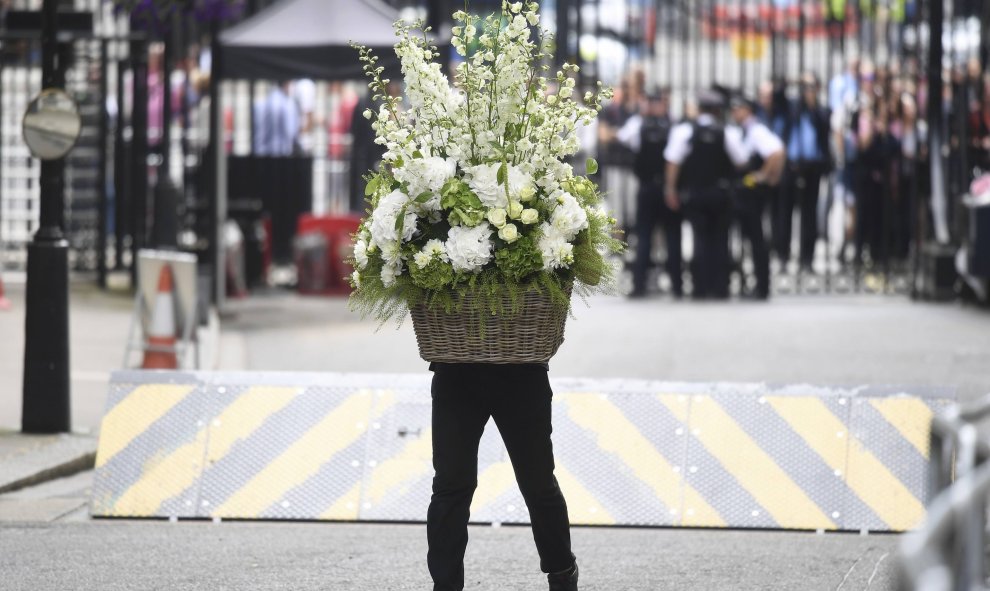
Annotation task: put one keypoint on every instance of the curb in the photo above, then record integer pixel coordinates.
(64, 455)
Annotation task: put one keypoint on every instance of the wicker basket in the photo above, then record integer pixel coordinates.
(532, 335)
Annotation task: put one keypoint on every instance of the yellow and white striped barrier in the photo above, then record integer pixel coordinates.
(358, 447)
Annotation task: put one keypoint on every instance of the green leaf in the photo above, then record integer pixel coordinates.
(503, 174)
(372, 186)
(400, 219)
(417, 154)
(591, 166)
(424, 197)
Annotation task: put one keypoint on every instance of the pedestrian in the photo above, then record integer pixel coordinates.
(518, 398)
(806, 131)
(646, 135)
(277, 123)
(761, 175)
(703, 158)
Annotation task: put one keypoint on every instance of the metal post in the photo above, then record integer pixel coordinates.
(139, 153)
(216, 170)
(101, 171)
(936, 121)
(165, 220)
(46, 407)
(121, 166)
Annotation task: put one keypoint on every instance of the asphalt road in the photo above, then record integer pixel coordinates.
(373, 557)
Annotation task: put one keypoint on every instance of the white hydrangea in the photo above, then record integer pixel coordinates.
(427, 175)
(383, 230)
(520, 183)
(484, 182)
(569, 217)
(557, 252)
(470, 249)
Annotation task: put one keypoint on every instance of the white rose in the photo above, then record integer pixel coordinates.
(470, 249)
(515, 209)
(484, 183)
(527, 194)
(509, 233)
(497, 217)
(569, 217)
(529, 216)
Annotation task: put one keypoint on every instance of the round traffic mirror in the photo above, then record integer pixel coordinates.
(52, 124)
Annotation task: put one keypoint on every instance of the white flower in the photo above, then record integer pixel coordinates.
(509, 233)
(569, 217)
(515, 209)
(470, 249)
(520, 183)
(390, 272)
(361, 253)
(556, 250)
(529, 216)
(422, 259)
(427, 175)
(497, 217)
(527, 194)
(484, 183)
(383, 220)
(356, 279)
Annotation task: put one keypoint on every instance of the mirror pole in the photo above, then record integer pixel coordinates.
(46, 406)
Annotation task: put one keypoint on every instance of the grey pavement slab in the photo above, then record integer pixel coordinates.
(823, 340)
(31, 459)
(357, 557)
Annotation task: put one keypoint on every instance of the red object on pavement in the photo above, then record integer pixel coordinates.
(338, 231)
(159, 352)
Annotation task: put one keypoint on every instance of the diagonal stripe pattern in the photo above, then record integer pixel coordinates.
(349, 447)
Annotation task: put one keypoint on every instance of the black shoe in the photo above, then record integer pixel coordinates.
(564, 581)
(755, 296)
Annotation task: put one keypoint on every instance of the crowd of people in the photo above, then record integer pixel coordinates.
(858, 143)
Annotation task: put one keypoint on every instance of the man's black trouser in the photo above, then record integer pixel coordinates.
(709, 211)
(650, 208)
(750, 204)
(518, 398)
(800, 189)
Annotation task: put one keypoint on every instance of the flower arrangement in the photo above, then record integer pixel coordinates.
(475, 195)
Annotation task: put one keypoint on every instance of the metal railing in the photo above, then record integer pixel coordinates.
(949, 551)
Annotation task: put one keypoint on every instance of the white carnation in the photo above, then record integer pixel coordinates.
(390, 272)
(556, 250)
(470, 249)
(383, 230)
(361, 253)
(569, 217)
(484, 182)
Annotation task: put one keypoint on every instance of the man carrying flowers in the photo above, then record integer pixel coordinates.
(482, 230)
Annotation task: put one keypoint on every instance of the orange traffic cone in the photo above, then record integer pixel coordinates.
(4, 302)
(159, 350)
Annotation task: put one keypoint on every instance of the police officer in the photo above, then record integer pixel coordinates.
(760, 174)
(646, 135)
(703, 158)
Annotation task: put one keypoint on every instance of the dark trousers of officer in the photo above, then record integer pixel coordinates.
(800, 189)
(750, 204)
(518, 398)
(710, 213)
(651, 208)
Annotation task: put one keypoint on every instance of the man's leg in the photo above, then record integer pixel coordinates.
(459, 417)
(522, 413)
(674, 265)
(809, 217)
(646, 214)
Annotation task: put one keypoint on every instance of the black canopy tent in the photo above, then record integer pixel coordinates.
(309, 39)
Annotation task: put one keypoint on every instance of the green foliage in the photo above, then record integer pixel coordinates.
(519, 260)
(465, 207)
(436, 275)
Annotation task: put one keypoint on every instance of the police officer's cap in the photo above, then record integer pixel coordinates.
(739, 100)
(710, 99)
